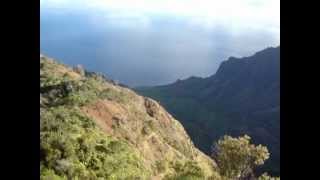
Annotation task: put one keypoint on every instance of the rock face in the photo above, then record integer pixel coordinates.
(243, 97)
(91, 128)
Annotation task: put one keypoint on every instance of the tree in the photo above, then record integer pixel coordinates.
(265, 176)
(236, 157)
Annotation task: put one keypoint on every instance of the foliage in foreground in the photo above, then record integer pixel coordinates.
(73, 148)
(237, 157)
(188, 171)
(71, 145)
(265, 176)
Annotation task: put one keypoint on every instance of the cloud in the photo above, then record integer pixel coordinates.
(165, 39)
(251, 13)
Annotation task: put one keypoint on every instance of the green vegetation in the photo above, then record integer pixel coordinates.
(242, 97)
(265, 176)
(72, 146)
(187, 171)
(200, 122)
(237, 157)
(63, 89)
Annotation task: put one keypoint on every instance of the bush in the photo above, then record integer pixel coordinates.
(265, 176)
(113, 95)
(190, 170)
(47, 174)
(237, 158)
(161, 166)
(73, 147)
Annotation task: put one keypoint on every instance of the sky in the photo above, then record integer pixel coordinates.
(155, 42)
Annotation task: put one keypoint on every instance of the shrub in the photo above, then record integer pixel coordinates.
(265, 176)
(161, 166)
(73, 147)
(113, 95)
(237, 158)
(190, 170)
(48, 174)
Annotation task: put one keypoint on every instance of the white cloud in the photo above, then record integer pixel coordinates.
(235, 16)
(250, 12)
(53, 3)
(168, 33)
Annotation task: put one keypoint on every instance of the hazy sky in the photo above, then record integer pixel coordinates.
(151, 42)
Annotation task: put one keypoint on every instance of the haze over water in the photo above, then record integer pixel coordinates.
(156, 42)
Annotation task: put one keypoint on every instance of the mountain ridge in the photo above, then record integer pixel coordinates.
(243, 96)
(91, 128)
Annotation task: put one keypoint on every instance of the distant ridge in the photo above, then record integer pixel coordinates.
(243, 96)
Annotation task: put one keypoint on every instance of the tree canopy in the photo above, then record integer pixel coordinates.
(237, 157)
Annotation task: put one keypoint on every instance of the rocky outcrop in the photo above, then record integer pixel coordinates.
(155, 138)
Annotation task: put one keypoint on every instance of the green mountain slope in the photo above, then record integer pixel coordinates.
(243, 97)
(93, 128)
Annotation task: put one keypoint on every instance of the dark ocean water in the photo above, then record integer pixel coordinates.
(140, 51)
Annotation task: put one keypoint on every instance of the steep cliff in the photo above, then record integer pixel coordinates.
(93, 128)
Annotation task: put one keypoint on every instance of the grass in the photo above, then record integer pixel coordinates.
(190, 170)
(72, 147)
